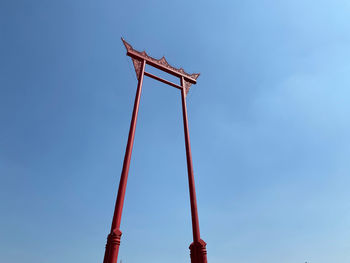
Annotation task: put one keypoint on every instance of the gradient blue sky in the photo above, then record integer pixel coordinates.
(269, 125)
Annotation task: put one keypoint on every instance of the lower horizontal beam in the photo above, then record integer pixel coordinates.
(162, 80)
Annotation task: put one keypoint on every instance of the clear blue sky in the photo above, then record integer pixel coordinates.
(269, 126)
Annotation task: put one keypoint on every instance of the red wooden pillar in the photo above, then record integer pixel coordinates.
(113, 239)
(198, 246)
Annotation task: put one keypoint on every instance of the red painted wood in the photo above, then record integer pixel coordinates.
(194, 212)
(175, 73)
(113, 240)
(198, 246)
(162, 80)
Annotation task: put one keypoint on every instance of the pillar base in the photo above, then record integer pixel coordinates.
(112, 246)
(198, 252)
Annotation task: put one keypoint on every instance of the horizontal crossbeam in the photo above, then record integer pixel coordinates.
(162, 80)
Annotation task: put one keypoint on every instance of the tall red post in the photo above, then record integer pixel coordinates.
(113, 239)
(198, 246)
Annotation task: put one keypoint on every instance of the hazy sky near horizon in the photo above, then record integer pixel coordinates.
(268, 118)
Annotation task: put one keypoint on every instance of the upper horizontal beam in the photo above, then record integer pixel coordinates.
(137, 56)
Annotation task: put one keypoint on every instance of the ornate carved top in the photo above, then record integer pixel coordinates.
(162, 63)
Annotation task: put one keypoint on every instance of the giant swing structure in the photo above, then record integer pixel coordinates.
(140, 60)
